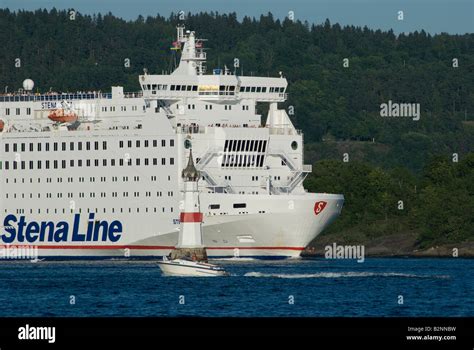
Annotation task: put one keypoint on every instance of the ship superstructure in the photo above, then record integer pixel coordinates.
(98, 174)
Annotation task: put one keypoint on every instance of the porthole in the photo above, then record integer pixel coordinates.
(294, 145)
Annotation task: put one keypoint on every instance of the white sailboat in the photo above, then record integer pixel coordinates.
(188, 267)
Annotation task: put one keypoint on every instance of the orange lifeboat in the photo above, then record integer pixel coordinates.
(2, 124)
(61, 116)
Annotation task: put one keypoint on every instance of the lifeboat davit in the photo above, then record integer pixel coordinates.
(62, 116)
(2, 124)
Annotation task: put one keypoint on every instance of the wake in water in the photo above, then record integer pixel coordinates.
(233, 259)
(340, 274)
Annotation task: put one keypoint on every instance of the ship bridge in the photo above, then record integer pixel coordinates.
(189, 80)
(214, 88)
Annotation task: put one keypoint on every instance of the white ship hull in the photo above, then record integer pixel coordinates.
(279, 232)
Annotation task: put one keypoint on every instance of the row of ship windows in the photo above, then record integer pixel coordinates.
(146, 143)
(113, 179)
(104, 109)
(87, 145)
(83, 195)
(242, 160)
(245, 145)
(261, 89)
(17, 111)
(222, 88)
(111, 210)
(83, 179)
(122, 108)
(88, 162)
(56, 146)
(90, 210)
(209, 107)
(236, 205)
(61, 97)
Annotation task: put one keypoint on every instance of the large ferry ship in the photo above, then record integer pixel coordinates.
(92, 174)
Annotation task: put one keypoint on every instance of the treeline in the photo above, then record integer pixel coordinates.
(438, 206)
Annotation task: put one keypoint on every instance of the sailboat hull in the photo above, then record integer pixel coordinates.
(185, 268)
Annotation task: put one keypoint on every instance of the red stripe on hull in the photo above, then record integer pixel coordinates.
(190, 217)
(142, 247)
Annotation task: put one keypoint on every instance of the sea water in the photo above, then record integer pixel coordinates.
(289, 288)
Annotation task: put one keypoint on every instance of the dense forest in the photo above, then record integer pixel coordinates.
(336, 102)
(437, 206)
